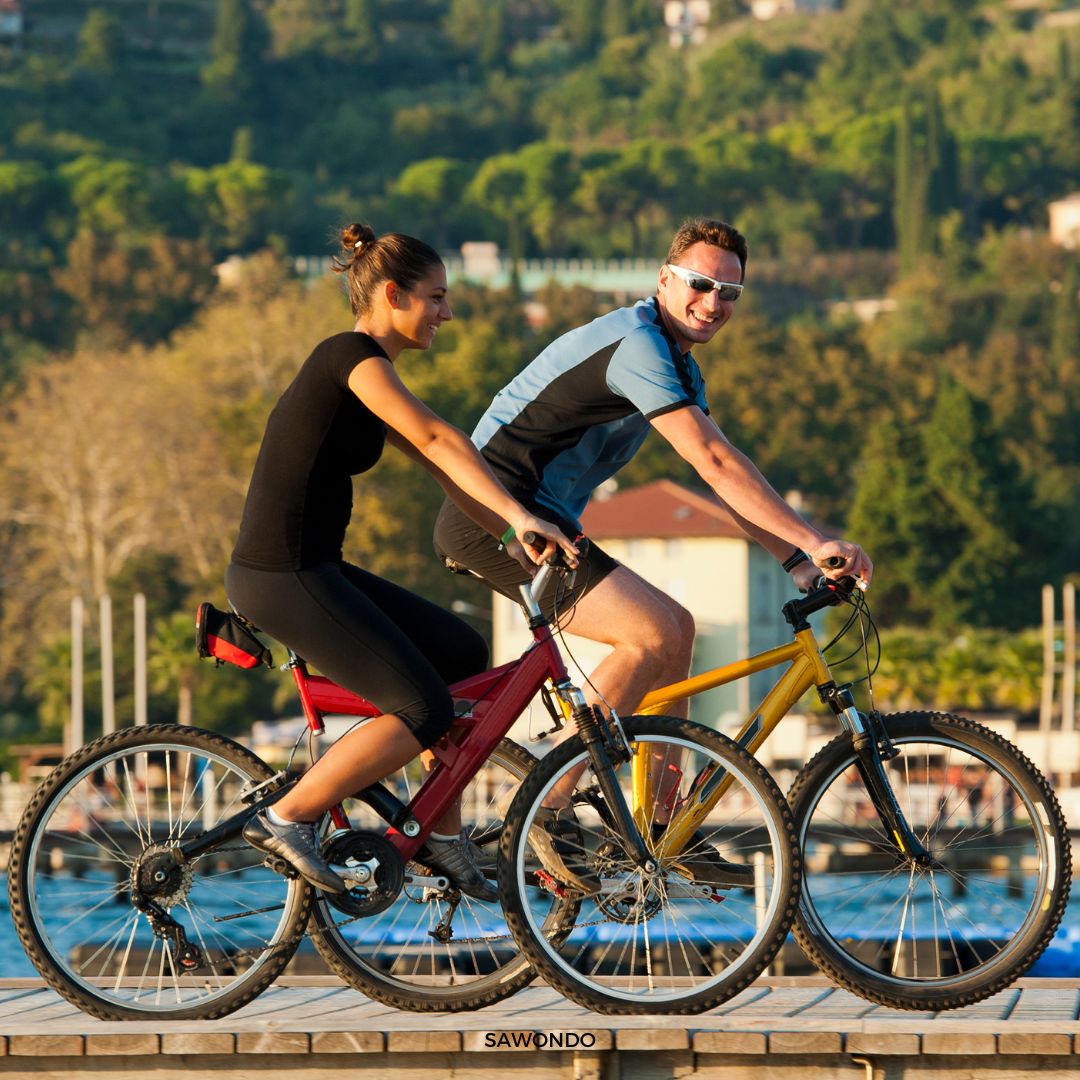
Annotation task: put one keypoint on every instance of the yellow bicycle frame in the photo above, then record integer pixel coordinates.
(807, 668)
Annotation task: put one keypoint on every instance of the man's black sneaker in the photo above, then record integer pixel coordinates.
(297, 843)
(701, 862)
(458, 859)
(556, 838)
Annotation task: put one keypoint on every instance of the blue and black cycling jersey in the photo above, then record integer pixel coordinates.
(581, 410)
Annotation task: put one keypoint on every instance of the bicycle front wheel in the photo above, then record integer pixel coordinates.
(432, 951)
(966, 926)
(700, 927)
(87, 831)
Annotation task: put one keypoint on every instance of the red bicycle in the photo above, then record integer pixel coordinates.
(134, 894)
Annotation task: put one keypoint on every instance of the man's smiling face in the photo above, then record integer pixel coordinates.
(694, 317)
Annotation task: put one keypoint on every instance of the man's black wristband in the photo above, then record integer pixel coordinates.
(793, 560)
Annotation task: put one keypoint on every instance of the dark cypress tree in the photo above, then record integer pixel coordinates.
(236, 51)
(1065, 321)
(101, 43)
(942, 160)
(615, 20)
(910, 208)
(362, 25)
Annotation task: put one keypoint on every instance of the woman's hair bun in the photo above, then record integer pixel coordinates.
(354, 237)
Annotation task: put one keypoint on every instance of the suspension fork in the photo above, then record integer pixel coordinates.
(602, 750)
(871, 744)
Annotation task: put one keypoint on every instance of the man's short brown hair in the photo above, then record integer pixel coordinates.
(709, 231)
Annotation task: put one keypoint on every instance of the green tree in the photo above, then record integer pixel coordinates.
(135, 289)
(424, 191)
(1065, 321)
(500, 186)
(581, 22)
(615, 18)
(242, 204)
(108, 196)
(635, 194)
(101, 43)
(362, 25)
(242, 145)
(49, 684)
(940, 509)
(911, 192)
(478, 29)
(173, 665)
(31, 202)
(236, 52)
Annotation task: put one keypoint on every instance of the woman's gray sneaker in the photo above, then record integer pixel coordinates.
(297, 843)
(459, 859)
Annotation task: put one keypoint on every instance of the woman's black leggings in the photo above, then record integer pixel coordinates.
(368, 635)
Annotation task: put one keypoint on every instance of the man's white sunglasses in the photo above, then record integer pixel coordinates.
(726, 290)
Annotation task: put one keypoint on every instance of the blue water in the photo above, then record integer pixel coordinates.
(1061, 958)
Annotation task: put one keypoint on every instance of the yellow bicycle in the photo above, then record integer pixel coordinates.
(935, 860)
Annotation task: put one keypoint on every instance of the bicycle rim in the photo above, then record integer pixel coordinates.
(72, 869)
(437, 951)
(663, 942)
(959, 930)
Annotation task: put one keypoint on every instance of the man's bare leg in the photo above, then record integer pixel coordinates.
(652, 640)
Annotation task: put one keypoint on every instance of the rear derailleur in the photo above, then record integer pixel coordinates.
(159, 872)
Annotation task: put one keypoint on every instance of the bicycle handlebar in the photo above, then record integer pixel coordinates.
(557, 564)
(825, 594)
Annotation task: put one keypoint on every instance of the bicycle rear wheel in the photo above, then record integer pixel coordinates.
(953, 933)
(115, 802)
(659, 942)
(438, 952)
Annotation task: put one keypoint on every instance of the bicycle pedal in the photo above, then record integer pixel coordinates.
(280, 866)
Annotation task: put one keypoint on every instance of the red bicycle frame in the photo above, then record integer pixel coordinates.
(496, 697)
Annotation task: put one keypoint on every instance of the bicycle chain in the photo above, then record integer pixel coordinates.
(309, 933)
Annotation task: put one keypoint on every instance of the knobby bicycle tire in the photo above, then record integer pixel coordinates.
(393, 956)
(963, 929)
(660, 942)
(72, 856)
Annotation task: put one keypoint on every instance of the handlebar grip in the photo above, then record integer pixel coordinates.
(529, 539)
(834, 562)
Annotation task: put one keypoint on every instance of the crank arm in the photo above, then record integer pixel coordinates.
(690, 890)
(427, 881)
(355, 872)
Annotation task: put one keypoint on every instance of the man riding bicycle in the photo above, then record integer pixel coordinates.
(580, 411)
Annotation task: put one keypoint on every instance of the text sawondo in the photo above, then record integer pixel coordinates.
(540, 1040)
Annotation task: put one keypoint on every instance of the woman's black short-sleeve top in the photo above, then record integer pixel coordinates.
(318, 437)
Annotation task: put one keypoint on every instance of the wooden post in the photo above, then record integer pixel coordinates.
(1046, 704)
(108, 696)
(140, 658)
(75, 721)
(1068, 674)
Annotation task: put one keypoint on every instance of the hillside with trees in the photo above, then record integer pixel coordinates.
(902, 152)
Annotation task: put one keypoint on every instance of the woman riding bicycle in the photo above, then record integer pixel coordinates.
(288, 576)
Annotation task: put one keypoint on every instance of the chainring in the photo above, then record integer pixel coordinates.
(389, 879)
